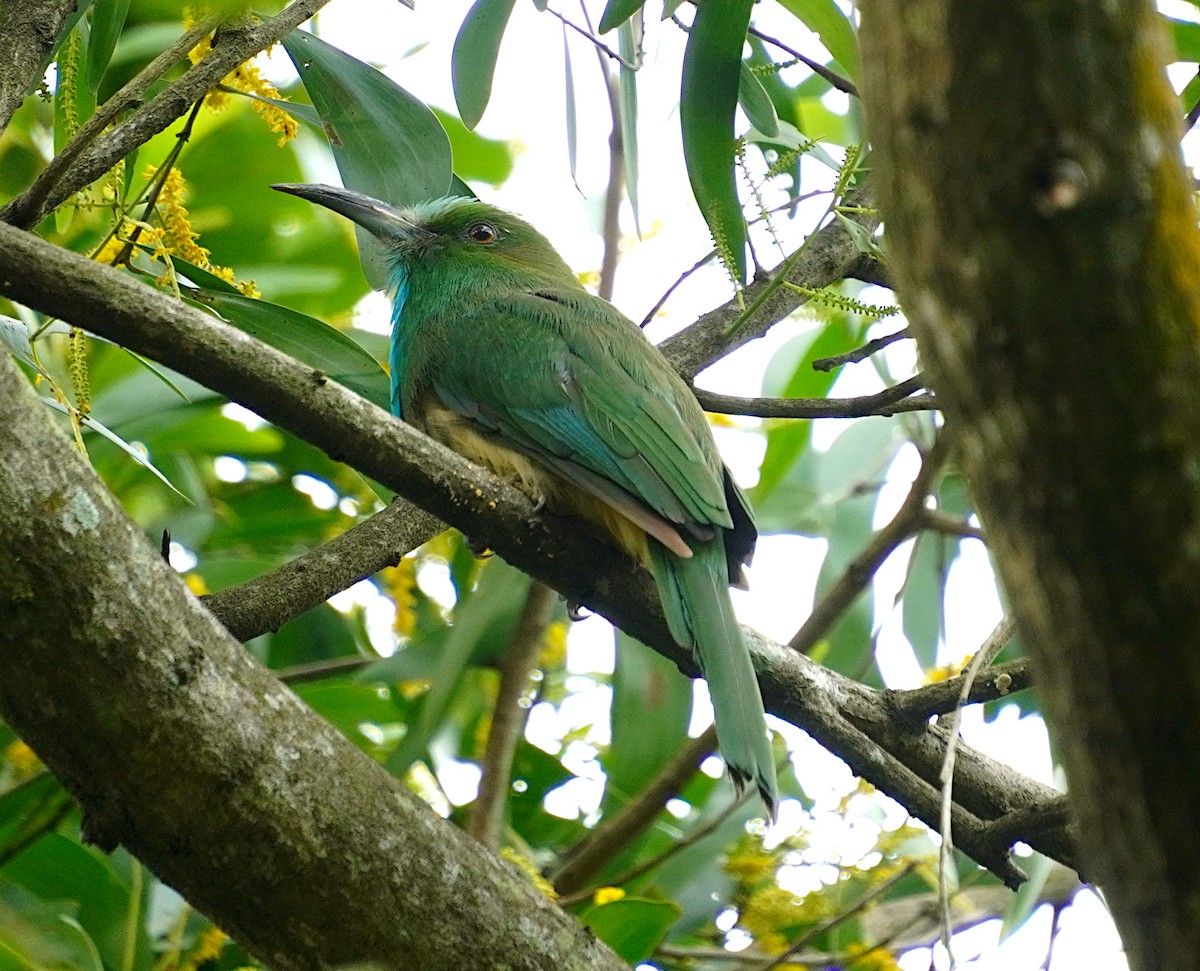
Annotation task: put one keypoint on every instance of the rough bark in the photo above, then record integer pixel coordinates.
(1043, 240)
(27, 35)
(260, 813)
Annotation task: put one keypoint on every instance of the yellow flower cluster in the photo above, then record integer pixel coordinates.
(400, 583)
(247, 79)
(177, 238)
(554, 646)
(772, 909)
(606, 895)
(873, 959)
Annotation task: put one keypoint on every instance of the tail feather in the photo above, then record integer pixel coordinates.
(699, 612)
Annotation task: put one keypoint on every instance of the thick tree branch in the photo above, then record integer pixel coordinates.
(236, 46)
(295, 841)
(829, 255)
(851, 719)
(26, 40)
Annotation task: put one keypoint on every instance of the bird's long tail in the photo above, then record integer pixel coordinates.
(699, 612)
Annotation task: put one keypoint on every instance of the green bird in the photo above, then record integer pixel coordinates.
(500, 353)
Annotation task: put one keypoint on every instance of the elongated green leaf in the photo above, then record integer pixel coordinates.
(825, 19)
(617, 12)
(629, 44)
(651, 707)
(756, 103)
(572, 110)
(633, 927)
(386, 143)
(482, 625)
(108, 18)
(305, 338)
(39, 935)
(707, 104)
(15, 336)
(1186, 35)
(104, 432)
(473, 61)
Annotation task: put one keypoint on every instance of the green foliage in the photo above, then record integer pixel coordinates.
(419, 698)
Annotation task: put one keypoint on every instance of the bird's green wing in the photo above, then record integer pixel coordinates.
(565, 378)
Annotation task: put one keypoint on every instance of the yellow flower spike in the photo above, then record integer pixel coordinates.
(606, 895)
(23, 759)
(554, 646)
(78, 368)
(400, 583)
(525, 864)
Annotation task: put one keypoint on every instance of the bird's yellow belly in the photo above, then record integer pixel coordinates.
(534, 479)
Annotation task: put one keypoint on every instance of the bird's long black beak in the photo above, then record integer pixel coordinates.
(378, 218)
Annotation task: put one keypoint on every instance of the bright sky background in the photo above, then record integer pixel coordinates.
(527, 109)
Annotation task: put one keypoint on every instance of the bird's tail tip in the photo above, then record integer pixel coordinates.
(764, 782)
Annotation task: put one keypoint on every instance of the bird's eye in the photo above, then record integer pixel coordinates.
(482, 233)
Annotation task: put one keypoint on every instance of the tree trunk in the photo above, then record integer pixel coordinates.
(1044, 242)
(254, 808)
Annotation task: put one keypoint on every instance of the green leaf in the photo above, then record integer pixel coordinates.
(108, 18)
(707, 105)
(473, 61)
(629, 44)
(572, 110)
(386, 143)
(305, 338)
(924, 595)
(15, 336)
(1186, 35)
(617, 12)
(42, 936)
(757, 104)
(826, 20)
(632, 926)
(481, 627)
(57, 868)
(651, 708)
(87, 421)
(482, 159)
(1025, 900)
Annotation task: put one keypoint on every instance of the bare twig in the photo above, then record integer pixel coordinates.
(693, 837)
(858, 574)
(825, 927)
(919, 704)
(844, 85)
(606, 840)
(508, 715)
(890, 401)
(984, 656)
(859, 353)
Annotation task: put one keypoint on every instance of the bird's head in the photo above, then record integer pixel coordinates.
(450, 236)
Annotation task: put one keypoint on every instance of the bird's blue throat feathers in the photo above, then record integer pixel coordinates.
(398, 293)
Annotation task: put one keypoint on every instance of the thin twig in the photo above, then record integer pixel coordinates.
(108, 147)
(842, 84)
(590, 855)
(857, 576)
(694, 836)
(826, 926)
(859, 353)
(890, 401)
(984, 656)
(509, 715)
(269, 601)
(593, 39)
